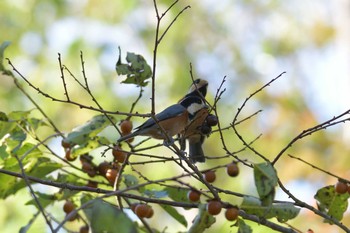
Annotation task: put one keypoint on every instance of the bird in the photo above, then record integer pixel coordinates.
(173, 120)
(193, 131)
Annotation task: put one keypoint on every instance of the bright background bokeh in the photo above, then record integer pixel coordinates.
(249, 42)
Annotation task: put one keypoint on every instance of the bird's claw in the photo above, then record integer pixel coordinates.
(169, 142)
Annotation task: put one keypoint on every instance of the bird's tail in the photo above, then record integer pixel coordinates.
(196, 153)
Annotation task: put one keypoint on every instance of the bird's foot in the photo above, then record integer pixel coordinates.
(168, 143)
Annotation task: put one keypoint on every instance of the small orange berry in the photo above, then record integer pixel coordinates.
(341, 187)
(111, 175)
(214, 207)
(232, 169)
(118, 154)
(193, 195)
(142, 210)
(231, 213)
(210, 176)
(68, 207)
(126, 126)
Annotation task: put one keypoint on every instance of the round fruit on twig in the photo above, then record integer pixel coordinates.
(84, 229)
(150, 212)
(212, 120)
(341, 187)
(133, 206)
(142, 210)
(68, 207)
(214, 207)
(88, 168)
(205, 129)
(111, 175)
(232, 169)
(231, 213)
(193, 195)
(126, 126)
(103, 167)
(209, 176)
(118, 154)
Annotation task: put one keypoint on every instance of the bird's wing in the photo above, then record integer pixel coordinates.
(172, 111)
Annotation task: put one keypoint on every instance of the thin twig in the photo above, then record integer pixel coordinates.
(62, 77)
(26, 180)
(172, 22)
(33, 101)
(320, 169)
(307, 132)
(233, 124)
(82, 106)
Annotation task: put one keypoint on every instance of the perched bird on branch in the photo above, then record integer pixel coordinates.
(193, 131)
(171, 121)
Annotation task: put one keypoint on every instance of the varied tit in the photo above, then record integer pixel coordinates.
(193, 132)
(173, 120)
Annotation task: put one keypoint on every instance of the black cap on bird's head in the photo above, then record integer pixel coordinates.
(199, 87)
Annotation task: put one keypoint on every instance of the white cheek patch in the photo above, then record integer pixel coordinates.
(193, 108)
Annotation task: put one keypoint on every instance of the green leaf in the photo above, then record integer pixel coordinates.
(7, 185)
(177, 194)
(282, 211)
(265, 177)
(15, 139)
(137, 70)
(202, 221)
(130, 180)
(18, 115)
(331, 202)
(91, 144)
(105, 217)
(3, 154)
(6, 128)
(3, 116)
(44, 199)
(38, 168)
(84, 138)
(91, 128)
(25, 228)
(44, 166)
(29, 150)
(35, 123)
(175, 214)
(34, 165)
(243, 227)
